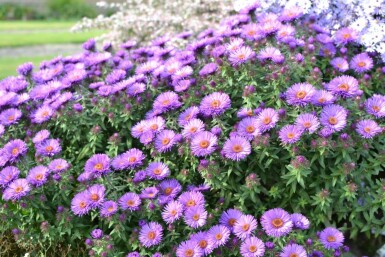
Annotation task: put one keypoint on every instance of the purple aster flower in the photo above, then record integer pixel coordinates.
(368, 128)
(345, 86)
(108, 209)
(267, 119)
(104, 91)
(157, 170)
(252, 247)
(16, 190)
(361, 63)
(80, 204)
(98, 164)
(95, 195)
(165, 140)
(147, 137)
(182, 73)
(215, 104)
(149, 193)
(147, 67)
(182, 85)
(293, 250)
(375, 105)
(203, 242)
(249, 128)
(269, 53)
(172, 211)
(300, 221)
(97, 233)
(89, 45)
(307, 121)
(25, 69)
(7, 175)
(130, 201)
(189, 249)
(251, 31)
(139, 128)
(290, 134)
(41, 136)
(322, 98)
(14, 149)
(276, 222)
(229, 218)
(241, 55)
(203, 143)
(300, 94)
(139, 176)
(234, 44)
(10, 116)
(2, 130)
(167, 101)
(192, 198)
(187, 115)
(151, 234)
(42, 114)
(331, 238)
(340, 64)
(170, 188)
(345, 35)
(285, 31)
(245, 112)
(244, 226)
(128, 160)
(157, 254)
(193, 127)
(136, 89)
(219, 235)
(236, 148)
(38, 176)
(49, 147)
(195, 216)
(208, 69)
(155, 124)
(133, 254)
(334, 117)
(115, 76)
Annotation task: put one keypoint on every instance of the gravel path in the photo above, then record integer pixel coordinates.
(40, 50)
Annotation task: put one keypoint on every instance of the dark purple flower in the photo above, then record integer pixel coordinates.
(97, 233)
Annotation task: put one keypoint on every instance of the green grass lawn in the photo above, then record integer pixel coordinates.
(35, 25)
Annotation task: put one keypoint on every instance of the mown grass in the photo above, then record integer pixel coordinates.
(35, 25)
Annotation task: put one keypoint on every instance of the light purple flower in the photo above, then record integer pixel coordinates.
(203, 143)
(172, 211)
(334, 117)
(16, 190)
(368, 128)
(361, 63)
(331, 238)
(300, 94)
(215, 104)
(345, 86)
(289, 134)
(38, 176)
(276, 222)
(252, 247)
(241, 55)
(219, 235)
(267, 119)
(151, 234)
(195, 216)
(308, 122)
(244, 226)
(130, 201)
(236, 148)
(293, 250)
(158, 170)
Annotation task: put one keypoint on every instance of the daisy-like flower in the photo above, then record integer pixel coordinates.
(267, 119)
(16, 190)
(252, 247)
(268, 53)
(345, 86)
(157, 170)
(195, 216)
(340, 64)
(128, 160)
(276, 222)
(42, 114)
(234, 44)
(98, 164)
(236, 148)
(215, 104)
(289, 134)
(166, 101)
(251, 31)
(307, 122)
(49, 147)
(293, 250)
(331, 238)
(38, 176)
(245, 112)
(203, 143)
(285, 31)
(187, 115)
(80, 204)
(41, 136)
(95, 195)
(172, 211)
(130, 201)
(10, 116)
(229, 218)
(149, 193)
(334, 117)
(165, 140)
(108, 209)
(244, 226)
(182, 73)
(219, 235)
(300, 221)
(189, 249)
(192, 127)
(136, 89)
(14, 149)
(7, 175)
(345, 35)
(241, 55)
(155, 124)
(58, 165)
(182, 85)
(151, 234)
(203, 242)
(248, 128)
(170, 188)
(368, 128)
(300, 94)
(375, 105)
(147, 67)
(139, 176)
(361, 63)
(322, 98)
(192, 198)
(139, 129)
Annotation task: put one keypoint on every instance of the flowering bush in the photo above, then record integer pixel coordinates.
(157, 150)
